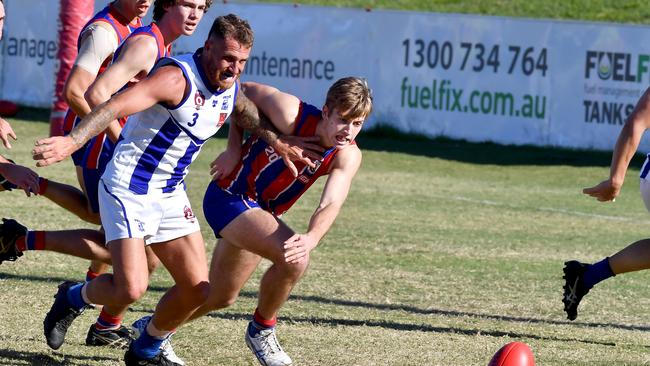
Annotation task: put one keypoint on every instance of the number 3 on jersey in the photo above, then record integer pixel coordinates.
(195, 117)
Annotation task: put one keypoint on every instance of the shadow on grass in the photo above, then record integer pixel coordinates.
(382, 307)
(408, 327)
(14, 358)
(390, 140)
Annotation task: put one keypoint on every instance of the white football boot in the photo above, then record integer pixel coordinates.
(266, 348)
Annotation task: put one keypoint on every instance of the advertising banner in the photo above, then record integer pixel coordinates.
(29, 48)
(506, 80)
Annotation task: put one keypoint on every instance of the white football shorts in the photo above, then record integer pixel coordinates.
(154, 218)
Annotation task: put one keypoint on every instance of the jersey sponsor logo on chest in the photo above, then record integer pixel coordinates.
(225, 102)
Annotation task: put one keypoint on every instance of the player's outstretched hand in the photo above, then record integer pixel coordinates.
(23, 177)
(5, 132)
(604, 191)
(52, 150)
(297, 247)
(224, 164)
(302, 149)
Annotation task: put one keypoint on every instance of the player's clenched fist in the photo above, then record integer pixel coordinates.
(604, 191)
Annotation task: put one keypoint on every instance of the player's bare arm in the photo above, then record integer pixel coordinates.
(133, 63)
(78, 80)
(23, 177)
(626, 147)
(282, 110)
(290, 148)
(166, 85)
(335, 192)
(97, 44)
(224, 164)
(247, 116)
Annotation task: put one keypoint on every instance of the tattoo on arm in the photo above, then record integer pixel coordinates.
(94, 123)
(247, 116)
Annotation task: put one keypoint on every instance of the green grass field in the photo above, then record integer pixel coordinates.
(621, 11)
(444, 252)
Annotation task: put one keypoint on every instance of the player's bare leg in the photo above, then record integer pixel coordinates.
(82, 243)
(75, 201)
(230, 268)
(634, 257)
(261, 233)
(126, 285)
(72, 199)
(186, 262)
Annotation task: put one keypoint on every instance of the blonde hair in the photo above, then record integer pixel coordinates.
(351, 97)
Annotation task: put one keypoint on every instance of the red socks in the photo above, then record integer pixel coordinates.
(33, 240)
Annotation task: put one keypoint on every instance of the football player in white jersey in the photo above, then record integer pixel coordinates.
(581, 277)
(143, 199)
(133, 60)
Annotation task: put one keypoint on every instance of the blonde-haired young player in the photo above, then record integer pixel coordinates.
(244, 206)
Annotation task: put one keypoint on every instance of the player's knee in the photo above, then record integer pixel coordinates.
(152, 263)
(295, 271)
(130, 294)
(199, 293)
(220, 301)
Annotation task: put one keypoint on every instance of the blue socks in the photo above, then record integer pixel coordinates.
(596, 273)
(254, 328)
(75, 298)
(146, 346)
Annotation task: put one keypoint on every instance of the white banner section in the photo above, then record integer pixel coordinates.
(506, 80)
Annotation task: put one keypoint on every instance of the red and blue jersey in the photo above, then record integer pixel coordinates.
(262, 175)
(151, 30)
(123, 28)
(120, 24)
(100, 148)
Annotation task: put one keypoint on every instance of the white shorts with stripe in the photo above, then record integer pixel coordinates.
(154, 218)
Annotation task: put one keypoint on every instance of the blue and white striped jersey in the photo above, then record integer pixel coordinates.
(156, 147)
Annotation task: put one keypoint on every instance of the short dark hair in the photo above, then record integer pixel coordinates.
(159, 7)
(232, 26)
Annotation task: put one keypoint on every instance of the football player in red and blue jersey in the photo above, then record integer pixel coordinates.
(243, 205)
